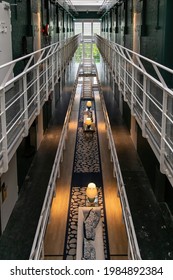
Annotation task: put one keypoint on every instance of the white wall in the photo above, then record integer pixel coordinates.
(10, 180)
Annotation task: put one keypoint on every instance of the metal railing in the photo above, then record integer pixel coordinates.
(38, 244)
(133, 243)
(147, 88)
(23, 95)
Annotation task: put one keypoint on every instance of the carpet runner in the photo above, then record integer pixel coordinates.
(86, 169)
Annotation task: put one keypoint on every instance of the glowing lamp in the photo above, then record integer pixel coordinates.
(91, 192)
(88, 122)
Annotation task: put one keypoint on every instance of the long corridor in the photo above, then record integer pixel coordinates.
(56, 232)
(138, 188)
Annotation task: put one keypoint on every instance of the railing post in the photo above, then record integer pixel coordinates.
(4, 131)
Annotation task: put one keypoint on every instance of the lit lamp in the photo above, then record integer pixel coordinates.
(89, 104)
(91, 192)
(88, 123)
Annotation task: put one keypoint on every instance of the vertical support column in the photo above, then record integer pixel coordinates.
(136, 48)
(39, 128)
(119, 72)
(47, 77)
(121, 104)
(25, 99)
(163, 132)
(38, 91)
(125, 80)
(115, 68)
(53, 67)
(92, 35)
(61, 85)
(133, 131)
(132, 90)
(144, 106)
(4, 131)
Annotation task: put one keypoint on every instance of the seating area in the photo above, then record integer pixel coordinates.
(90, 245)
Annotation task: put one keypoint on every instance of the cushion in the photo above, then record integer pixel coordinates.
(89, 231)
(88, 214)
(92, 218)
(89, 252)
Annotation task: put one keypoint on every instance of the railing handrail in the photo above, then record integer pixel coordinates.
(31, 56)
(139, 55)
(32, 86)
(63, 42)
(140, 87)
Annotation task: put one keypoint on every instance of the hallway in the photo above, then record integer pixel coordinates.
(140, 196)
(56, 231)
(50, 151)
(142, 202)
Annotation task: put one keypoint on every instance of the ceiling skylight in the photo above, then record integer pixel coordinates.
(87, 2)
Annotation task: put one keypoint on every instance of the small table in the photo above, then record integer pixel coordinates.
(91, 129)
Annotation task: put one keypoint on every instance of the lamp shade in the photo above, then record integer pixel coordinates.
(88, 121)
(89, 103)
(91, 191)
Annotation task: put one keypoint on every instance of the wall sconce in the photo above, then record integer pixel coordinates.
(88, 123)
(91, 192)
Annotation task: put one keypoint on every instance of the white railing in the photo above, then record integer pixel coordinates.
(133, 244)
(147, 88)
(23, 95)
(38, 244)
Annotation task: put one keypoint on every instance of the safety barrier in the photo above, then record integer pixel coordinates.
(147, 88)
(23, 95)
